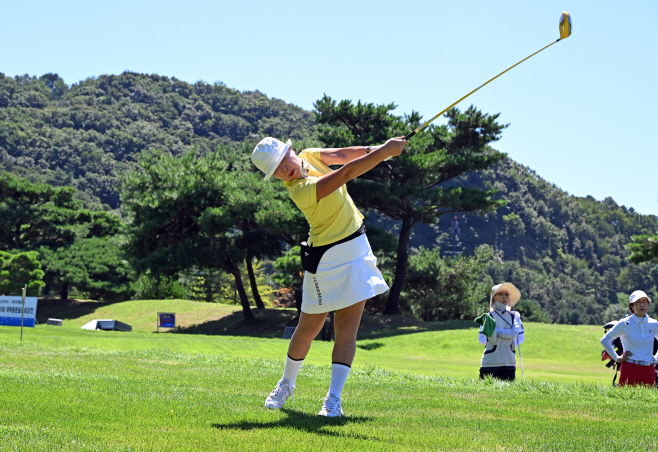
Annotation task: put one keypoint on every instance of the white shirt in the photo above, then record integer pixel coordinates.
(514, 331)
(636, 334)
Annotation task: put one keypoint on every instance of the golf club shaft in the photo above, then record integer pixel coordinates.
(427, 123)
(520, 359)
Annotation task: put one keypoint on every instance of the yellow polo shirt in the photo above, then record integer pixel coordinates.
(335, 216)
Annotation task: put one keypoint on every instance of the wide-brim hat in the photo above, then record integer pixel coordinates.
(268, 154)
(637, 295)
(514, 294)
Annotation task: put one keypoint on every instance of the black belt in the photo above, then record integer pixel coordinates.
(311, 255)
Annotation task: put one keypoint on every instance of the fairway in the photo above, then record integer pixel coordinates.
(55, 397)
(412, 388)
(553, 353)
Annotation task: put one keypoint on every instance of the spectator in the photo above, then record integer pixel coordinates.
(499, 359)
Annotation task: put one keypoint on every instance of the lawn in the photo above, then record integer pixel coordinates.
(411, 388)
(555, 353)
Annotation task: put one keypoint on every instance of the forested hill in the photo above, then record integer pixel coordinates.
(85, 134)
(568, 252)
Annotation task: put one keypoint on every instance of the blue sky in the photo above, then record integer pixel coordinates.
(581, 113)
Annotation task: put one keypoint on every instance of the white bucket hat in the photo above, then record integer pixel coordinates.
(637, 295)
(514, 294)
(268, 154)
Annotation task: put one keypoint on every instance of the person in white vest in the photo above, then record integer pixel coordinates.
(340, 269)
(499, 359)
(637, 333)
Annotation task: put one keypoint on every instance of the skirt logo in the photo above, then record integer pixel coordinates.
(317, 289)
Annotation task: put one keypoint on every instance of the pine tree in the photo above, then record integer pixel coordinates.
(18, 270)
(198, 211)
(418, 186)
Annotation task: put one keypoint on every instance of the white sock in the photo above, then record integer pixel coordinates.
(292, 367)
(339, 373)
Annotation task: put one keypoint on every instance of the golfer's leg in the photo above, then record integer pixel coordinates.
(346, 325)
(309, 326)
(300, 343)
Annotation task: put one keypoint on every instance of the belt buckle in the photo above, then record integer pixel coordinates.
(639, 362)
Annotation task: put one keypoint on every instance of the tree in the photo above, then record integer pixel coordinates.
(94, 265)
(418, 186)
(40, 217)
(33, 215)
(445, 289)
(193, 211)
(167, 202)
(266, 217)
(290, 274)
(18, 270)
(643, 249)
(95, 129)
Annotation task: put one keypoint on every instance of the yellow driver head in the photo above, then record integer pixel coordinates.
(565, 25)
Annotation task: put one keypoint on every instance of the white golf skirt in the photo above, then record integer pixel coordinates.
(347, 274)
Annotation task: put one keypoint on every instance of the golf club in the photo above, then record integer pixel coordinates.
(565, 31)
(520, 359)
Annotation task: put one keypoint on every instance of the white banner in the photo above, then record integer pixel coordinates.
(11, 311)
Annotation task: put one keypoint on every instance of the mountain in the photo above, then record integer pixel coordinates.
(566, 253)
(86, 134)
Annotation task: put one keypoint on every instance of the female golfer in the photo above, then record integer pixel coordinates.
(637, 333)
(499, 359)
(341, 272)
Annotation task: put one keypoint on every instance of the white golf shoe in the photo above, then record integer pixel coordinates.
(279, 395)
(331, 407)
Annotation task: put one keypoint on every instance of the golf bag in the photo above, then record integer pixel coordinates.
(619, 348)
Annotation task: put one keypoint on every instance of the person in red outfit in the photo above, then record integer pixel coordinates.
(637, 333)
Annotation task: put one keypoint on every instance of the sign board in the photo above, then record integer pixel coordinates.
(288, 331)
(166, 320)
(11, 310)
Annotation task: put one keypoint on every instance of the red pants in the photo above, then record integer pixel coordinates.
(633, 374)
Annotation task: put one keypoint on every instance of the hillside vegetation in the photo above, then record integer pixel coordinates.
(567, 254)
(85, 134)
(181, 152)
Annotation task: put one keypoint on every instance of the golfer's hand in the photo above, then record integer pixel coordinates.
(624, 356)
(394, 146)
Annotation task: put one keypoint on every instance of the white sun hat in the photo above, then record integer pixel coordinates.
(514, 294)
(268, 154)
(637, 295)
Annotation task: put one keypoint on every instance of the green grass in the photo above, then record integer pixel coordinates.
(555, 353)
(85, 399)
(140, 314)
(412, 387)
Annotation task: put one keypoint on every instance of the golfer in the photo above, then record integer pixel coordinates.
(499, 359)
(341, 272)
(637, 333)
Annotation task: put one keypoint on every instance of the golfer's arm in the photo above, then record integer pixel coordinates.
(607, 345)
(331, 182)
(342, 156)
